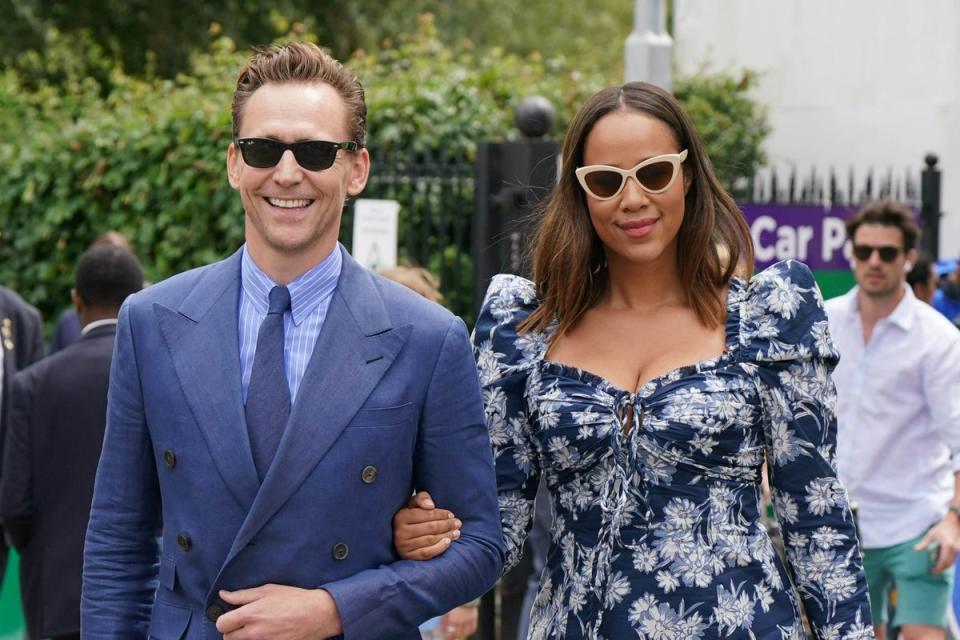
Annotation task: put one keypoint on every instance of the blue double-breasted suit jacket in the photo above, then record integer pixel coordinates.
(389, 402)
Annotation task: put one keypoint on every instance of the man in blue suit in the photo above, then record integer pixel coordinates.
(269, 413)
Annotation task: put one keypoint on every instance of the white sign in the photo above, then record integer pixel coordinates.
(375, 233)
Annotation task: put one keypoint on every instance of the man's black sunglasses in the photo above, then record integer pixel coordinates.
(312, 155)
(863, 252)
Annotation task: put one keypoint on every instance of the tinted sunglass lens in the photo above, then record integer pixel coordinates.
(655, 176)
(604, 184)
(315, 156)
(888, 254)
(862, 253)
(261, 154)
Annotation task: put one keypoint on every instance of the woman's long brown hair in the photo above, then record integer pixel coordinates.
(569, 264)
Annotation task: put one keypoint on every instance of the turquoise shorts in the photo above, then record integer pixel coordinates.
(922, 597)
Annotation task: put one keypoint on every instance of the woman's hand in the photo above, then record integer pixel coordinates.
(421, 531)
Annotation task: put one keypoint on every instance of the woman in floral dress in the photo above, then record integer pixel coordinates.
(646, 383)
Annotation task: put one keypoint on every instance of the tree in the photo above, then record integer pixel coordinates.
(733, 126)
(158, 36)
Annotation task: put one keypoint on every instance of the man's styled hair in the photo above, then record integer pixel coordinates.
(106, 274)
(888, 213)
(302, 62)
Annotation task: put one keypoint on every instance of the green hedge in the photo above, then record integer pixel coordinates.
(88, 148)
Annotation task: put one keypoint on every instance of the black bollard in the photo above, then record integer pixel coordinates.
(512, 179)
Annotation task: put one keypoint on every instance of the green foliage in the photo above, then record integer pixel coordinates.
(423, 94)
(146, 37)
(590, 33)
(158, 36)
(732, 125)
(87, 147)
(146, 159)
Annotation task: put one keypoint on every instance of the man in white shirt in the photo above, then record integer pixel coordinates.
(898, 434)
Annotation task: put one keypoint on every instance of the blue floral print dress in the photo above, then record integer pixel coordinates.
(657, 532)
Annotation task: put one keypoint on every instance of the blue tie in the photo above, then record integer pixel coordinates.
(268, 395)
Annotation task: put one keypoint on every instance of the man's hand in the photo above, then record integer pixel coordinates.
(945, 533)
(278, 612)
(421, 531)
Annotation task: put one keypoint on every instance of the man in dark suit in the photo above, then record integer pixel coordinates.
(21, 344)
(58, 411)
(68, 327)
(269, 413)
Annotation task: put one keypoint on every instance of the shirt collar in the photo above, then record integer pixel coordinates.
(307, 290)
(97, 323)
(902, 314)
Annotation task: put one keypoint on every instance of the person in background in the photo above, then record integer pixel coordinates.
(922, 278)
(55, 431)
(461, 621)
(416, 279)
(68, 327)
(269, 413)
(946, 299)
(898, 435)
(21, 344)
(645, 382)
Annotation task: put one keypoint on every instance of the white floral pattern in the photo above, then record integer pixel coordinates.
(657, 532)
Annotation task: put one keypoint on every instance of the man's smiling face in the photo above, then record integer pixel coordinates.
(292, 214)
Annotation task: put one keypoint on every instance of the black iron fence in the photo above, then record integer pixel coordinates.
(435, 192)
(833, 187)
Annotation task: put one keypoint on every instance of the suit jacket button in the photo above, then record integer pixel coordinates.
(340, 551)
(183, 541)
(214, 611)
(169, 459)
(369, 474)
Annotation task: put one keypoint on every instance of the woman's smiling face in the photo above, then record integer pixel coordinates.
(635, 226)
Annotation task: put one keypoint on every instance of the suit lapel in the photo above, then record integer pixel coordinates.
(356, 347)
(204, 344)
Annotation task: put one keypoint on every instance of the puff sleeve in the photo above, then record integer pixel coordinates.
(505, 359)
(784, 332)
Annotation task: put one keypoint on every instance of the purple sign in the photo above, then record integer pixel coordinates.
(808, 233)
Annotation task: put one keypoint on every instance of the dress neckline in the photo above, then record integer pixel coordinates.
(735, 296)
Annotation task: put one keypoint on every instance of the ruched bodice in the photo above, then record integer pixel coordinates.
(656, 493)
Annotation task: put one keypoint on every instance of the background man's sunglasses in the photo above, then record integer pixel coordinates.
(863, 252)
(312, 155)
(654, 175)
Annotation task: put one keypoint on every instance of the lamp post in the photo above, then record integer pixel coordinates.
(649, 48)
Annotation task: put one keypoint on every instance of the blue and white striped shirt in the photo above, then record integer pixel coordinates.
(310, 296)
